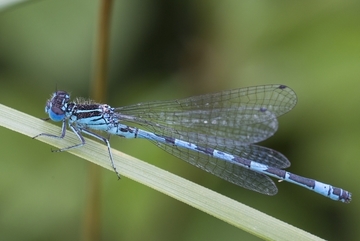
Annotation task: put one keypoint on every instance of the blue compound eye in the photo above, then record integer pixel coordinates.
(56, 114)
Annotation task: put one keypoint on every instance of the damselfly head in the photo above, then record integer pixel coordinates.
(57, 104)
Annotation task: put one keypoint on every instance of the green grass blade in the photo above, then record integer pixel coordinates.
(215, 204)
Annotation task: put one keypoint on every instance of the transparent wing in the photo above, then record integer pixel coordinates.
(229, 171)
(234, 117)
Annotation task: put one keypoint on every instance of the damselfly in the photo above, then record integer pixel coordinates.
(215, 132)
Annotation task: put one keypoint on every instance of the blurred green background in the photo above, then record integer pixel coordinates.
(173, 49)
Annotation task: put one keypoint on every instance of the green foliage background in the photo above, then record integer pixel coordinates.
(173, 49)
